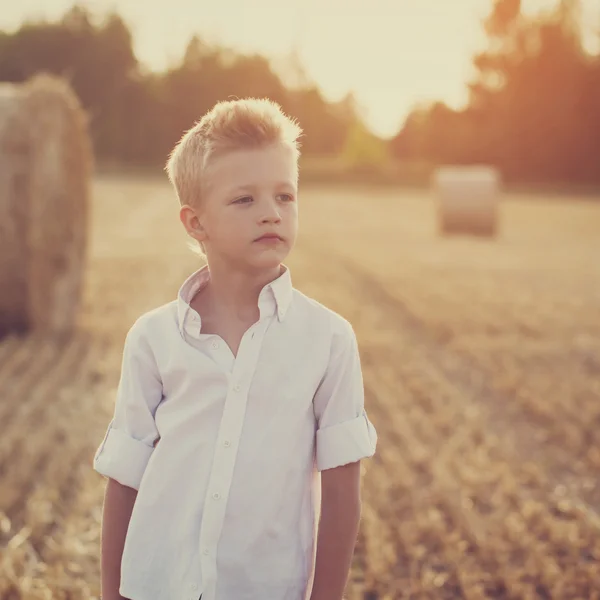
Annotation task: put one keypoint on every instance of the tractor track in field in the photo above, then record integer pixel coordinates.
(45, 404)
(43, 474)
(469, 380)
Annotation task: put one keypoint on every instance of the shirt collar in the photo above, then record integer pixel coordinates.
(275, 296)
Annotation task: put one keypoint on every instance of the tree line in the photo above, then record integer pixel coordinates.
(136, 115)
(533, 110)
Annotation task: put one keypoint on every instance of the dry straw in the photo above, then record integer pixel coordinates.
(45, 170)
(468, 199)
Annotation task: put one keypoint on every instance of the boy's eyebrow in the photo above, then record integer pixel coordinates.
(251, 188)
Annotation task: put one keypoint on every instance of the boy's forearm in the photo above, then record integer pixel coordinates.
(118, 506)
(338, 530)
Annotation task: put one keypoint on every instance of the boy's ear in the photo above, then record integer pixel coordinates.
(192, 223)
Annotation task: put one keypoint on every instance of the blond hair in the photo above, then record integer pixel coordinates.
(229, 125)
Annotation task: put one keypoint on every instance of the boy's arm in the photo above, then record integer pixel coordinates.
(344, 437)
(118, 505)
(126, 449)
(338, 529)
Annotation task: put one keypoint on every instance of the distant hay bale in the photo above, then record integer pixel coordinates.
(45, 171)
(468, 199)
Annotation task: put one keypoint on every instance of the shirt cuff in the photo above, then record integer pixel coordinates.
(345, 442)
(122, 458)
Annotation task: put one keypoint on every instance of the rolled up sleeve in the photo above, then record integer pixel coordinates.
(344, 432)
(129, 439)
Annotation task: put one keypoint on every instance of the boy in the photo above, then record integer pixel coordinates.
(253, 389)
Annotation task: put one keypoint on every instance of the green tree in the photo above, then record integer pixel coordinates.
(534, 106)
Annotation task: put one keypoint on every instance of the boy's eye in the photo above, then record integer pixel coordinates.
(247, 199)
(243, 200)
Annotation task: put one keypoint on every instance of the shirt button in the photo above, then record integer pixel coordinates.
(215, 345)
(205, 551)
(226, 443)
(237, 388)
(194, 586)
(217, 496)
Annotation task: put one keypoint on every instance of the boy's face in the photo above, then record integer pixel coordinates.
(248, 193)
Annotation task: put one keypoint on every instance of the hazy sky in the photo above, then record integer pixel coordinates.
(391, 53)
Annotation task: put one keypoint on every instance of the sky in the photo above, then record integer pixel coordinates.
(391, 54)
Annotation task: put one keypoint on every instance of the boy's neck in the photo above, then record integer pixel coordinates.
(234, 293)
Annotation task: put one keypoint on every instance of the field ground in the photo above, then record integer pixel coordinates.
(482, 372)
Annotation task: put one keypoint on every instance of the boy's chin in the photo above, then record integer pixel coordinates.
(267, 260)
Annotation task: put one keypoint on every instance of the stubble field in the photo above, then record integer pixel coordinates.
(481, 362)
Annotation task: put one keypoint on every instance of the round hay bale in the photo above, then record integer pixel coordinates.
(468, 198)
(45, 172)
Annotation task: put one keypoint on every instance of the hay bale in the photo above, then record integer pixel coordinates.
(468, 198)
(45, 171)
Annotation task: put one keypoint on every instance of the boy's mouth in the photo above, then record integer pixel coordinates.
(269, 237)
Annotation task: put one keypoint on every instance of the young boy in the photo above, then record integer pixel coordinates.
(253, 389)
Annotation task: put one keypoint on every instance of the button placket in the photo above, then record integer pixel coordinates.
(219, 481)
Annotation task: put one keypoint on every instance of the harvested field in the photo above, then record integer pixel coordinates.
(482, 371)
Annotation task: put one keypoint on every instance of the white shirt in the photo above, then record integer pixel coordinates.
(228, 501)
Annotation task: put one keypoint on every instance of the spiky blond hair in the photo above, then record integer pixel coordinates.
(229, 125)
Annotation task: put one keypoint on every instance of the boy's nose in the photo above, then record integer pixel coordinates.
(271, 218)
(271, 214)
